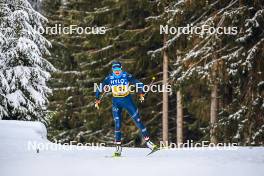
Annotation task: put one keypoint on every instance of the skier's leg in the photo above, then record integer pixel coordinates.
(116, 110)
(134, 114)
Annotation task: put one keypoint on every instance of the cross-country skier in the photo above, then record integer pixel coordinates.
(119, 82)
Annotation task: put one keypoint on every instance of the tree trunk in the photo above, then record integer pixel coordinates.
(256, 3)
(179, 118)
(165, 96)
(241, 3)
(189, 3)
(214, 106)
(213, 117)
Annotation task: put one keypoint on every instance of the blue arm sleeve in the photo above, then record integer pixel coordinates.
(104, 83)
(136, 82)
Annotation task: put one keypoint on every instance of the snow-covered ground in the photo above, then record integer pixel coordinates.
(17, 160)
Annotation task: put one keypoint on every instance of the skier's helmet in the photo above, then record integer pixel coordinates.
(116, 66)
(117, 69)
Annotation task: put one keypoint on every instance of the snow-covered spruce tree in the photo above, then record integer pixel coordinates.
(245, 71)
(23, 70)
(232, 64)
(228, 66)
(174, 13)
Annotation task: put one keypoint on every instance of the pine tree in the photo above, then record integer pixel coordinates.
(24, 70)
(165, 101)
(179, 131)
(85, 59)
(170, 13)
(221, 63)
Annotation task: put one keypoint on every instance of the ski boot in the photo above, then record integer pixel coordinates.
(153, 147)
(118, 150)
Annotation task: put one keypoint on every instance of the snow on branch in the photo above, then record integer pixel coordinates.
(23, 70)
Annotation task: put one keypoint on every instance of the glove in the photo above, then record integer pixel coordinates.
(96, 104)
(141, 98)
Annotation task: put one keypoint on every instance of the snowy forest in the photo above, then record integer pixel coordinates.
(217, 80)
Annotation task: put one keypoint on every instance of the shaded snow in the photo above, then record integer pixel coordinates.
(15, 159)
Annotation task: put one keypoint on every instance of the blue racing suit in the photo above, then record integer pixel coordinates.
(123, 100)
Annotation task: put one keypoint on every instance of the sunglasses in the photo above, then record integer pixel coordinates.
(117, 69)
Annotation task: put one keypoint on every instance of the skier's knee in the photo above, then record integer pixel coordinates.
(117, 125)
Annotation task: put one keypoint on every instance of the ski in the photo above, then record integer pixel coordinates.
(113, 156)
(153, 151)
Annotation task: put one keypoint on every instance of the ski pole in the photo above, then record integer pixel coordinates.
(141, 99)
(100, 99)
(104, 94)
(151, 83)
